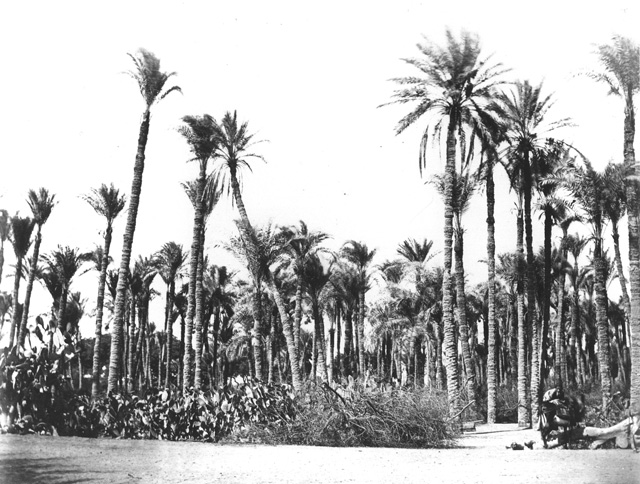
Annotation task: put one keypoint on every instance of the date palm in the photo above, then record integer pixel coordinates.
(199, 133)
(168, 262)
(109, 203)
(41, 203)
(588, 187)
(152, 83)
(621, 63)
(525, 111)
(358, 254)
(234, 144)
(302, 244)
(63, 264)
(456, 89)
(20, 237)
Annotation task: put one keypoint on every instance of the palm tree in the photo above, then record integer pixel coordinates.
(199, 132)
(63, 264)
(234, 143)
(588, 186)
(107, 202)
(621, 63)
(525, 109)
(41, 203)
(457, 87)
(5, 228)
(153, 88)
(168, 261)
(21, 229)
(302, 245)
(360, 256)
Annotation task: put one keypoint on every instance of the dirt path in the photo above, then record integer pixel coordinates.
(481, 458)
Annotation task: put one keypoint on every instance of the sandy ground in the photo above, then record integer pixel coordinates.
(480, 458)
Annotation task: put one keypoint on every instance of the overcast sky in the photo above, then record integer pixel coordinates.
(308, 76)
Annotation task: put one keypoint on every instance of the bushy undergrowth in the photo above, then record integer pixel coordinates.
(362, 417)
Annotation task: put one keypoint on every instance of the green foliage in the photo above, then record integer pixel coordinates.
(357, 416)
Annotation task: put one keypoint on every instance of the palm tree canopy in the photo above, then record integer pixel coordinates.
(5, 225)
(106, 201)
(234, 143)
(169, 259)
(66, 262)
(621, 61)
(302, 243)
(200, 133)
(20, 236)
(41, 203)
(151, 80)
(456, 84)
(414, 251)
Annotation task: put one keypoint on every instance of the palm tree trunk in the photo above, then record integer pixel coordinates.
(523, 416)
(360, 329)
(602, 324)
(296, 376)
(626, 336)
(491, 297)
(461, 300)
(256, 333)
(561, 360)
(546, 303)
(123, 274)
(216, 331)
(200, 325)
(133, 332)
(322, 349)
(27, 297)
(532, 316)
(95, 373)
(15, 319)
(348, 337)
(298, 311)
(169, 326)
(449, 347)
(633, 220)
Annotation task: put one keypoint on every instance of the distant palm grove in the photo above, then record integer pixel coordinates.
(300, 312)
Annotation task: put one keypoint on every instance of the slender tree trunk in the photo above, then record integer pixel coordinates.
(123, 274)
(298, 312)
(523, 407)
(27, 297)
(95, 373)
(192, 298)
(546, 303)
(169, 325)
(461, 300)
(134, 331)
(15, 319)
(256, 333)
(348, 336)
(322, 350)
(296, 376)
(216, 332)
(200, 326)
(602, 324)
(449, 347)
(561, 360)
(491, 297)
(360, 328)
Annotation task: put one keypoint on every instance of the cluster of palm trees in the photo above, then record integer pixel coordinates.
(489, 121)
(541, 317)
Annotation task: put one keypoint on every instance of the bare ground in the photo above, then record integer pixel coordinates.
(480, 457)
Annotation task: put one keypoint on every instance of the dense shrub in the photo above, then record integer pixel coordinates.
(363, 417)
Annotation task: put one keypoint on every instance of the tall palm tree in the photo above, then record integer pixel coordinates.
(199, 132)
(588, 186)
(302, 245)
(153, 88)
(5, 228)
(169, 259)
(463, 189)
(525, 110)
(621, 63)
(457, 87)
(63, 264)
(41, 203)
(108, 202)
(234, 143)
(20, 237)
(360, 256)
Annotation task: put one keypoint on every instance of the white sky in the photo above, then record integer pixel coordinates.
(307, 76)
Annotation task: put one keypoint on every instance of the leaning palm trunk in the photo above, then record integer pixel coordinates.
(491, 270)
(95, 373)
(602, 324)
(462, 317)
(27, 297)
(450, 345)
(121, 291)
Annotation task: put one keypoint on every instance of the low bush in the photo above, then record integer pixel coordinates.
(361, 417)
